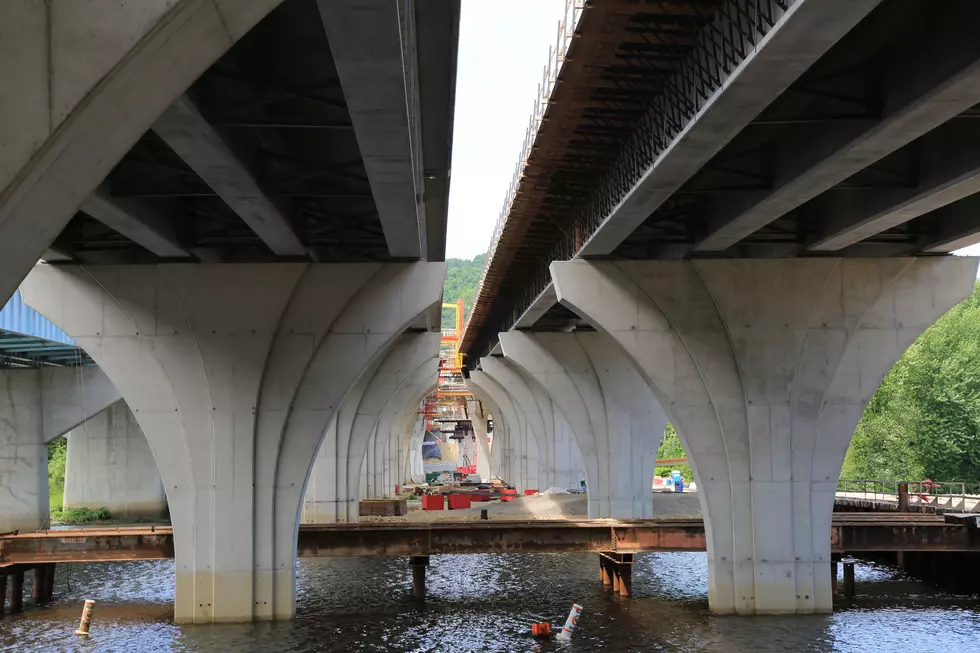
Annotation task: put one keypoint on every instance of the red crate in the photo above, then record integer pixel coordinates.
(433, 502)
(530, 493)
(459, 501)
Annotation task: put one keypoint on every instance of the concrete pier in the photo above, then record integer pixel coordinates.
(765, 367)
(110, 465)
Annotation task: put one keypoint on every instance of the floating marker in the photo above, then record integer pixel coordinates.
(570, 623)
(86, 618)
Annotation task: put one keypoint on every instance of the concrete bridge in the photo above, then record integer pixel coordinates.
(241, 212)
(734, 216)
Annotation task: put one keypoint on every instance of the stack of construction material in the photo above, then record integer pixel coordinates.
(382, 507)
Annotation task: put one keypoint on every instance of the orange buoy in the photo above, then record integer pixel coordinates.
(541, 629)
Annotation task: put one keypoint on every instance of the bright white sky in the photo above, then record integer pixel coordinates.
(503, 47)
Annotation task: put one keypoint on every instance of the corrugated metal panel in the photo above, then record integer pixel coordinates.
(18, 317)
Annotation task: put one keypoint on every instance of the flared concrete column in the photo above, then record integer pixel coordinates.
(765, 367)
(569, 471)
(109, 465)
(399, 420)
(478, 418)
(500, 440)
(37, 406)
(320, 485)
(234, 373)
(414, 354)
(517, 451)
(538, 413)
(616, 420)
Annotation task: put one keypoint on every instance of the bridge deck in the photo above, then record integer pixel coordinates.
(850, 532)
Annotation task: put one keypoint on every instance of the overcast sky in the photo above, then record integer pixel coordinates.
(503, 47)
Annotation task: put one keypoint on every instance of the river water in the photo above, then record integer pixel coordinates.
(487, 603)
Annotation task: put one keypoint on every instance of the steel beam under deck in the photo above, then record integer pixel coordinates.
(850, 532)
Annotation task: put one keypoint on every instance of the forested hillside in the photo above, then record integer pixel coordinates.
(461, 281)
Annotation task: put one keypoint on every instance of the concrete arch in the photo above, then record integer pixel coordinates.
(538, 413)
(83, 82)
(500, 437)
(359, 416)
(519, 455)
(474, 410)
(399, 416)
(754, 361)
(246, 366)
(616, 420)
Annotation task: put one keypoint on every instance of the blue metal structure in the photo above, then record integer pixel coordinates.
(28, 339)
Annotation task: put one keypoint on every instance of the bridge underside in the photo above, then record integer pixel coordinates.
(242, 211)
(758, 239)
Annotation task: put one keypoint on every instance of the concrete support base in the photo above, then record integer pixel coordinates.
(110, 465)
(765, 367)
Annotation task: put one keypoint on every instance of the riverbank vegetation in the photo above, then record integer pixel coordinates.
(57, 459)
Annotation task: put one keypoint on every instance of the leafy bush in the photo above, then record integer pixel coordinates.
(57, 457)
(80, 515)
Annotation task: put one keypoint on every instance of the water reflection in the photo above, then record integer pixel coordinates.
(486, 603)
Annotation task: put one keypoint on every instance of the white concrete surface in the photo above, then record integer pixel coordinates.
(538, 414)
(514, 455)
(234, 373)
(109, 465)
(765, 367)
(478, 418)
(617, 422)
(357, 421)
(82, 82)
(37, 406)
(381, 90)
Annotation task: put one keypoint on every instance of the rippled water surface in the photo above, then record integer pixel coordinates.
(486, 603)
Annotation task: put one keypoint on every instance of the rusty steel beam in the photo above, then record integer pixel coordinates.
(850, 533)
(400, 539)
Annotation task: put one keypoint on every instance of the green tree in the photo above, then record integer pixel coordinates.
(57, 458)
(671, 447)
(462, 279)
(924, 420)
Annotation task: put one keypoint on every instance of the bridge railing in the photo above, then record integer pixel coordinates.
(724, 42)
(556, 58)
(949, 495)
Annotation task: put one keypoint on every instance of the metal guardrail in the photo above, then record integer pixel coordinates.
(556, 58)
(725, 42)
(963, 496)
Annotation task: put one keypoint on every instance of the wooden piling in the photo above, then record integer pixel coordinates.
(849, 579)
(17, 591)
(418, 564)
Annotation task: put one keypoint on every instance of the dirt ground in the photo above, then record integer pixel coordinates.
(550, 506)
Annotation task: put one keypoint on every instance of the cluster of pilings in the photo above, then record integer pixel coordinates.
(12, 585)
(616, 572)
